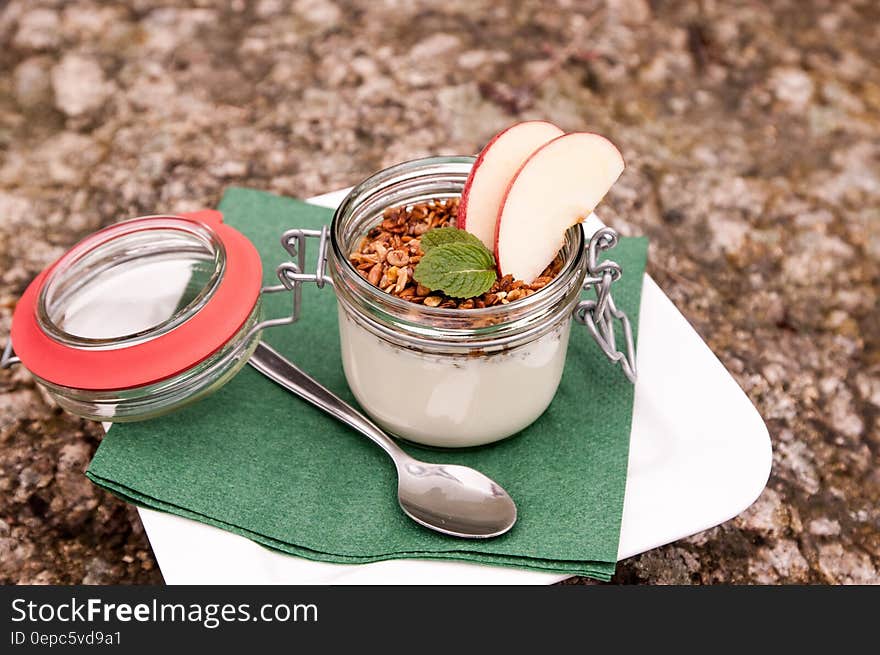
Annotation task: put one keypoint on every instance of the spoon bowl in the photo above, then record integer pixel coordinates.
(454, 500)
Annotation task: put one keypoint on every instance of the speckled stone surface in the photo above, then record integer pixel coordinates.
(752, 138)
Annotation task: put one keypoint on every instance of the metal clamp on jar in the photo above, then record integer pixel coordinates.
(171, 343)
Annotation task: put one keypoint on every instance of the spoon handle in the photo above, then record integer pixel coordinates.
(276, 367)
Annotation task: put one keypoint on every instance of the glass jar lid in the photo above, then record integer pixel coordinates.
(138, 302)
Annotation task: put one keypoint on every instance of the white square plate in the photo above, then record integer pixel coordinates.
(699, 455)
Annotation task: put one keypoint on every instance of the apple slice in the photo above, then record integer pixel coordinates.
(496, 165)
(557, 186)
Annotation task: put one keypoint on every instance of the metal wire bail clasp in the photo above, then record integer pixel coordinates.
(599, 314)
(293, 274)
(8, 357)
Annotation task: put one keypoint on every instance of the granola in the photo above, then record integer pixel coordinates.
(389, 252)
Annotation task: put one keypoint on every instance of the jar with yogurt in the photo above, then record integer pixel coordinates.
(438, 376)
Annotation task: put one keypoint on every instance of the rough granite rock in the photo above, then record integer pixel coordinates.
(79, 85)
(752, 138)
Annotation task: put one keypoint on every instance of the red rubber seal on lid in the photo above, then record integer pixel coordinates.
(166, 355)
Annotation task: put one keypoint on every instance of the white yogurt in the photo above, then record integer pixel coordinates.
(451, 400)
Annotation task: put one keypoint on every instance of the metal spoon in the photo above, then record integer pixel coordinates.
(454, 500)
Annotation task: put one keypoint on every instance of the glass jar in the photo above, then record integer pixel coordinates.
(142, 317)
(446, 377)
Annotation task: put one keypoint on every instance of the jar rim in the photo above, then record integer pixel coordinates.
(394, 175)
(67, 264)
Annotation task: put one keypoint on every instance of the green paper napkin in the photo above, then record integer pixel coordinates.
(257, 461)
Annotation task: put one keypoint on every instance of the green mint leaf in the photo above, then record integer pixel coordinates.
(442, 235)
(458, 269)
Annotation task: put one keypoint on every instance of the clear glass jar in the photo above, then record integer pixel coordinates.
(110, 329)
(446, 377)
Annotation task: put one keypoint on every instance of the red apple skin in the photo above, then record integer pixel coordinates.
(461, 220)
(513, 179)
